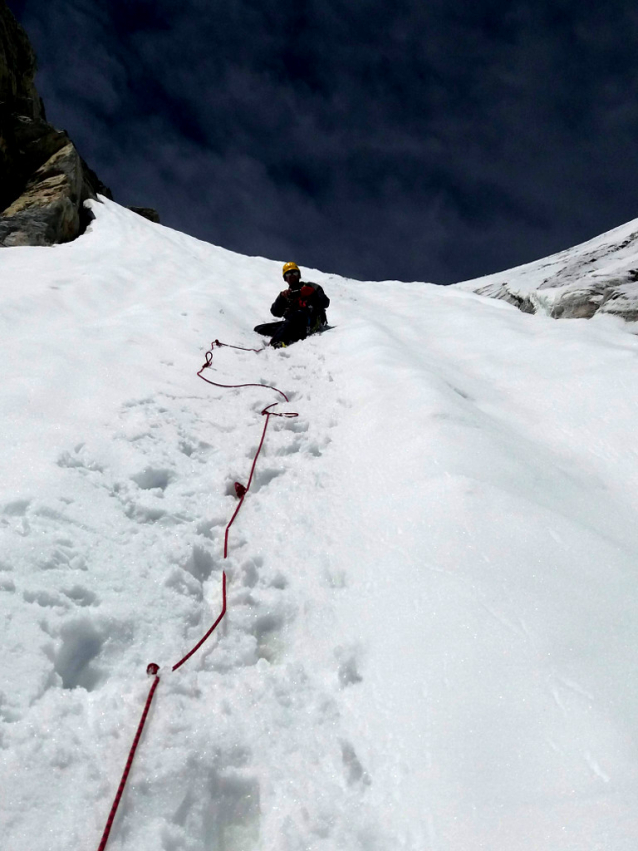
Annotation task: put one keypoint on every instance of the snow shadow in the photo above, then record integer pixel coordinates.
(151, 478)
(81, 644)
(227, 815)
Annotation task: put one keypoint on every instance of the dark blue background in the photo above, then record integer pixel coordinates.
(421, 141)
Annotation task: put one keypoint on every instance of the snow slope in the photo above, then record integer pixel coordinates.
(431, 629)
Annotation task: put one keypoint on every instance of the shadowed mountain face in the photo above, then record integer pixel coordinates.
(43, 180)
(20, 106)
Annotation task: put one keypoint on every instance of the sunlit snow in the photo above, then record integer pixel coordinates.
(432, 621)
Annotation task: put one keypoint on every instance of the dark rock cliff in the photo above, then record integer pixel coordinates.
(44, 181)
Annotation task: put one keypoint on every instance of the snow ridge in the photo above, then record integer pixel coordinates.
(599, 276)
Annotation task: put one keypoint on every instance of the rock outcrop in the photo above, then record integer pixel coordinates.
(43, 180)
(147, 213)
(597, 277)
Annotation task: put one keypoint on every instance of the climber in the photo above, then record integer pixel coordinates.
(303, 307)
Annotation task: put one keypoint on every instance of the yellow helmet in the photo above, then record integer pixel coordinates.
(291, 267)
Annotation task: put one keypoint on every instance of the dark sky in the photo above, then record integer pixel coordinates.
(414, 139)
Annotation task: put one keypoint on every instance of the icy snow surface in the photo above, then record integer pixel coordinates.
(432, 618)
(600, 274)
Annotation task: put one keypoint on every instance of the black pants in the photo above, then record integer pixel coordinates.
(288, 330)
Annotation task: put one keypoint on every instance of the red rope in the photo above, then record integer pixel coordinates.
(210, 631)
(239, 488)
(209, 363)
(152, 669)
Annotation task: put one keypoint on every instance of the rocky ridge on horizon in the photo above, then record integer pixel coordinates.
(599, 276)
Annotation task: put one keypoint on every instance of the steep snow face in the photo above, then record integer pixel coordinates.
(432, 591)
(600, 275)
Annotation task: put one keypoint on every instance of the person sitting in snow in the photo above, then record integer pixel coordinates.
(303, 307)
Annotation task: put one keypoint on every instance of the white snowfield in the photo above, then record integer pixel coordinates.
(432, 628)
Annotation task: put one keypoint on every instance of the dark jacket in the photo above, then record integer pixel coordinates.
(309, 298)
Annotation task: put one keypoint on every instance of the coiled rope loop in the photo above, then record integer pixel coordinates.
(240, 489)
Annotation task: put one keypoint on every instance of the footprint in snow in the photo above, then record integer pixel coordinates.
(81, 643)
(16, 508)
(45, 599)
(355, 772)
(348, 666)
(63, 555)
(81, 596)
(80, 460)
(224, 810)
(200, 564)
(152, 478)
